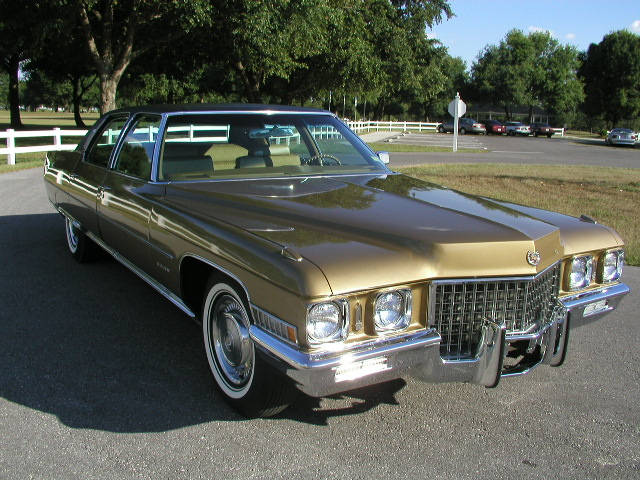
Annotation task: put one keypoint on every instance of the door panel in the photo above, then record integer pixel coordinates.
(126, 195)
(89, 174)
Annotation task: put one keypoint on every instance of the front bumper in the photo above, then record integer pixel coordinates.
(417, 354)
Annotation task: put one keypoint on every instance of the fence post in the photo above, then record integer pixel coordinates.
(11, 145)
(57, 138)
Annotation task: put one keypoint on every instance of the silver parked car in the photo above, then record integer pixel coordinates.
(518, 128)
(621, 136)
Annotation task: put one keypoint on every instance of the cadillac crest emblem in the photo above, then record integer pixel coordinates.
(533, 258)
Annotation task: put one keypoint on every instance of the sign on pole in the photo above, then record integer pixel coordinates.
(457, 108)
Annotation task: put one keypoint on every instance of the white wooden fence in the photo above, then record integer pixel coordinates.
(56, 136)
(368, 126)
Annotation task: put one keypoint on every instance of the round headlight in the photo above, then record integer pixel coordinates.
(392, 310)
(612, 266)
(581, 272)
(324, 322)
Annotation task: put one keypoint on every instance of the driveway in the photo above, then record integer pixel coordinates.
(101, 377)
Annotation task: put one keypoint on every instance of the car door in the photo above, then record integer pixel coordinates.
(88, 175)
(127, 193)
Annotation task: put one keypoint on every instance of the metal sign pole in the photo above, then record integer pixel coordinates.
(456, 114)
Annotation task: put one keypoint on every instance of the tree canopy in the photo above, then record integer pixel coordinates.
(528, 70)
(376, 53)
(611, 74)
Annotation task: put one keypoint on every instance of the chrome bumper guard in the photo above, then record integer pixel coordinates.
(417, 354)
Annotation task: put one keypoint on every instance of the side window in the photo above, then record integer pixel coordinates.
(103, 144)
(136, 154)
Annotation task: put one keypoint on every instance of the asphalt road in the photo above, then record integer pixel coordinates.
(519, 150)
(101, 377)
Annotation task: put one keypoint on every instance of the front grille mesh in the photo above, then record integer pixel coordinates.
(459, 308)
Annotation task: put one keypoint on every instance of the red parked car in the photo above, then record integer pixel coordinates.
(542, 129)
(494, 126)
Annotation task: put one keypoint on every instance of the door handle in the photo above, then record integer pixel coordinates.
(101, 191)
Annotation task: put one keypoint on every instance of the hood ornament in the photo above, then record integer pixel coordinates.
(533, 258)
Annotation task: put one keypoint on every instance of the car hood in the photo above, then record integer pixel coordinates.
(369, 231)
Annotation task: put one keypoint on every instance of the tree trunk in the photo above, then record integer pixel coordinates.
(379, 110)
(14, 92)
(108, 87)
(249, 82)
(76, 103)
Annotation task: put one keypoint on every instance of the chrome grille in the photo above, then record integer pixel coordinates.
(458, 308)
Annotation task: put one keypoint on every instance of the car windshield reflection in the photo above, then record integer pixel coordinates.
(201, 147)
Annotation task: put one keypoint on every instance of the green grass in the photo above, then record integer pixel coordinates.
(576, 133)
(609, 195)
(46, 120)
(398, 147)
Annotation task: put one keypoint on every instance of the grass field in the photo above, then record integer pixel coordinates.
(398, 147)
(46, 120)
(609, 195)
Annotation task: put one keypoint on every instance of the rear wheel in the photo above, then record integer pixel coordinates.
(81, 247)
(441, 129)
(247, 382)
(463, 131)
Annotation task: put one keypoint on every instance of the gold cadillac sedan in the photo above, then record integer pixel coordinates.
(313, 267)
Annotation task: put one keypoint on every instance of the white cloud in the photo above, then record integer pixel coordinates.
(540, 29)
(635, 26)
(571, 36)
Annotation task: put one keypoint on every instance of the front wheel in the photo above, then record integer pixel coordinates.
(441, 129)
(247, 382)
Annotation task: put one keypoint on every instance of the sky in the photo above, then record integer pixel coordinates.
(479, 23)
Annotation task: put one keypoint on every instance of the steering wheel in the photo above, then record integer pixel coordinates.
(324, 159)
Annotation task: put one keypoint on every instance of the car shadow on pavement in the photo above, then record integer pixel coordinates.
(318, 411)
(98, 348)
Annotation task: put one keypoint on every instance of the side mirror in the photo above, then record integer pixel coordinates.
(383, 156)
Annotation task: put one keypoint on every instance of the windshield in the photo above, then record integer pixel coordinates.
(209, 146)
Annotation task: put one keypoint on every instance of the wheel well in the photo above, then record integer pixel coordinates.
(194, 276)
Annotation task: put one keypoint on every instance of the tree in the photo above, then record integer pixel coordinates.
(297, 50)
(528, 70)
(63, 65)
(23, 24)
(116, 33)
(611, 74)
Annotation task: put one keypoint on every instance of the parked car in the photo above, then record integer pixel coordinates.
(538, 128)
(517, 128)
(311, 266)
(465, 125)
(621, 136)
(494, 127)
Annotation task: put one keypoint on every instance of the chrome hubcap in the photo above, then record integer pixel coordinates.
(72, 237)
(231, 342)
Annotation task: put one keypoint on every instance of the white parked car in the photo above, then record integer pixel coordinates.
(518, 128)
